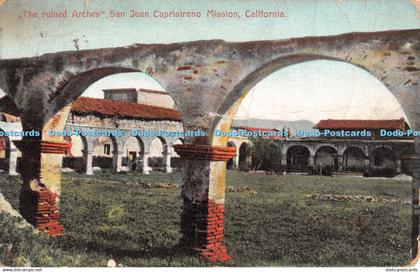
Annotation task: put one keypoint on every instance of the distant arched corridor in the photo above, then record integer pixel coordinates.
(326, 156)
(354, 159)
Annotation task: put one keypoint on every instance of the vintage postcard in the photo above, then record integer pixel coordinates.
(240, 133)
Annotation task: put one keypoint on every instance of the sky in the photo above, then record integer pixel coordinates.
(312, 90)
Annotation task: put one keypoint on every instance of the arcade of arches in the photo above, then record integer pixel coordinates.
(207, 80)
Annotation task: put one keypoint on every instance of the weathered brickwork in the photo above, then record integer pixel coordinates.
(202, 227)
(40, 209)
(206, 80)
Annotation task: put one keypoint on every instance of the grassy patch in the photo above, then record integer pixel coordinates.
(114, 216)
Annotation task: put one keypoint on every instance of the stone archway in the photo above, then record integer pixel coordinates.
(228, 108)
(77, 155)
(354, 159)
(383, 162)
(298, 159)
(208, 80)
(158, 153)
(327, 157)
(48, 152)
(133, 150)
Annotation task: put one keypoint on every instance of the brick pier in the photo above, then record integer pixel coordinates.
(203, 210)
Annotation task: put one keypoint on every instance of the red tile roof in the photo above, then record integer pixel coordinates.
(362, 124)
(112, 108)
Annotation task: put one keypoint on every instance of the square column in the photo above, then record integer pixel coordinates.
(367, 164)
(203, 194)
(13, 162)
(40, 192)
(236, 162)
(311, 160)
(89, 162)
(117, 161)
(145, 163)
(340, 160)
(167, 162)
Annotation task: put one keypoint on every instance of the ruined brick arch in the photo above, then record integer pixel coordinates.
(208, 79)
(228, 108)
(266, 69)
(73, 86)
(231, 103)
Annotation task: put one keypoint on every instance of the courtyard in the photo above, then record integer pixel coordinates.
(270, 220)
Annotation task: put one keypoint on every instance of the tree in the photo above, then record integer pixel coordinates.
(265, 154)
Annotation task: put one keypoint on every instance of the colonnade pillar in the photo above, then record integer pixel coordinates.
(89, 162)
(13, 162)
(166, 160)
(41, 175)
(145, 162)
(203, 193)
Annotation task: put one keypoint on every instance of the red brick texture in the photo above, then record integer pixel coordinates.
(202, 227)
(204, 152)
(36, 145)
(40, 209)
(47, 216)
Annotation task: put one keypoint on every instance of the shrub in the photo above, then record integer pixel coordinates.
(265, 154)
